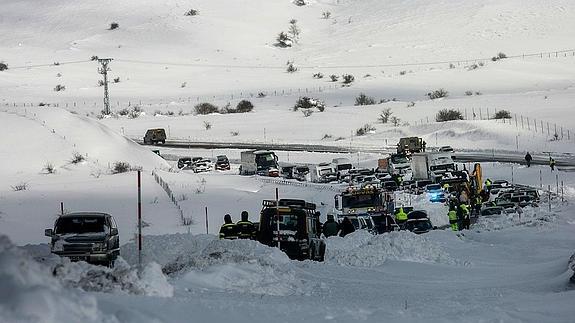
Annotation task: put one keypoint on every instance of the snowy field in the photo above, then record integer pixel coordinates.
(505, 269)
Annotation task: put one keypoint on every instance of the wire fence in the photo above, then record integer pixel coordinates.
(186, 221)
(550, 130)
(190, 99)
(317, 186)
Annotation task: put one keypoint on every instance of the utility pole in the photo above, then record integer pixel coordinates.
(104, 71)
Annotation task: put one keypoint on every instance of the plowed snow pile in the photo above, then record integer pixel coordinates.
(244, 266)
(121, 279)
(530, 217)
(29, 293)
(366, 250)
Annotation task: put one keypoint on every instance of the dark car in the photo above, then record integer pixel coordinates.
(299, 233)
(389, 185)
(494, 210)
(155, 136)
(418, 222)
(222, 162)
(185, 163)
(87, 236)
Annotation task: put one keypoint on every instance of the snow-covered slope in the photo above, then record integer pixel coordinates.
(206, 50)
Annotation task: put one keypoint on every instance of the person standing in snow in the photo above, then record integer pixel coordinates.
(552, 163)
(528, 159)
(228, 230)
(245, 228)
(463, 217)
(346, 227)
(330, 227)
(400, 217)
(452, 214)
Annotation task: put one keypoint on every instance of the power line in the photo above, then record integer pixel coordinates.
(542, 54)
(230, 66)
(47, 65)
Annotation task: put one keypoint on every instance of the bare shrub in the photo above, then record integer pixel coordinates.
(299, 3)
(77, 158)
(468, 93)
(117, 80)
(411, 104)
(205, 108)
(22, 186)
(283, 40)
(192, 12)
(395, 121)
(294, 30)
(3, 66)
(348, 79)
(334, 78)
(114, 25)
(307, 112)
(309, 103)
(326, 14)
(207, 125)
(59, 88)
(365, 129)
(502, 114)
(244, 106)
(363, 99)
(441, 93)
(234, 133)
(120, 167)
(326, 136)
(49, 168)
(318, 75)
(448, 115)
(290, 67)
(384, 115)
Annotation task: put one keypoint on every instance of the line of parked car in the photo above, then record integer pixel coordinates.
(504, 198)
(201, 164)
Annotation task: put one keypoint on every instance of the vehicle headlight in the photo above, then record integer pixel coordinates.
(57, 246)
(99, 246)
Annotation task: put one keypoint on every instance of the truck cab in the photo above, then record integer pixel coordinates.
(260, 162)
(398, 164)
(299, 231)
(87, 236)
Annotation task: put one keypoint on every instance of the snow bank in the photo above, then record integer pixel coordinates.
(204, 261)
(121, 279)
(29, 293)
(530, 217)
(365, 250)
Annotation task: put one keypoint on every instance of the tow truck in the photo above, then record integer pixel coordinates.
(297, 233)
(360, 204)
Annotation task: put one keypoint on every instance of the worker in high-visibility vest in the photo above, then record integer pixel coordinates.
(452, 214)
(400, 217)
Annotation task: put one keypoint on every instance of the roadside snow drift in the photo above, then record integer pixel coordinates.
(363, 249)
(29, 293)
(243, 266)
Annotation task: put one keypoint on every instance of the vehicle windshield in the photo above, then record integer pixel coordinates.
(344, 166)
(419, 226)
(66, 225)
(325, 171)
(287, 222)
(359, 200)
(399, 160)
(433, 187)
(266, 160)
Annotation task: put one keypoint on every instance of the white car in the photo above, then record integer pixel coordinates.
(201, 166)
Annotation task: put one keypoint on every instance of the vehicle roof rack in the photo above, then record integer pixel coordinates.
(290, 203)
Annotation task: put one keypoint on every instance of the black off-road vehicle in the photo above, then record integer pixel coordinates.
(155, 136)
(87, 236)
(299, 232)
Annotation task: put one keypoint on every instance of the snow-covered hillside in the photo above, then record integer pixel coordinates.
(507, 268)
